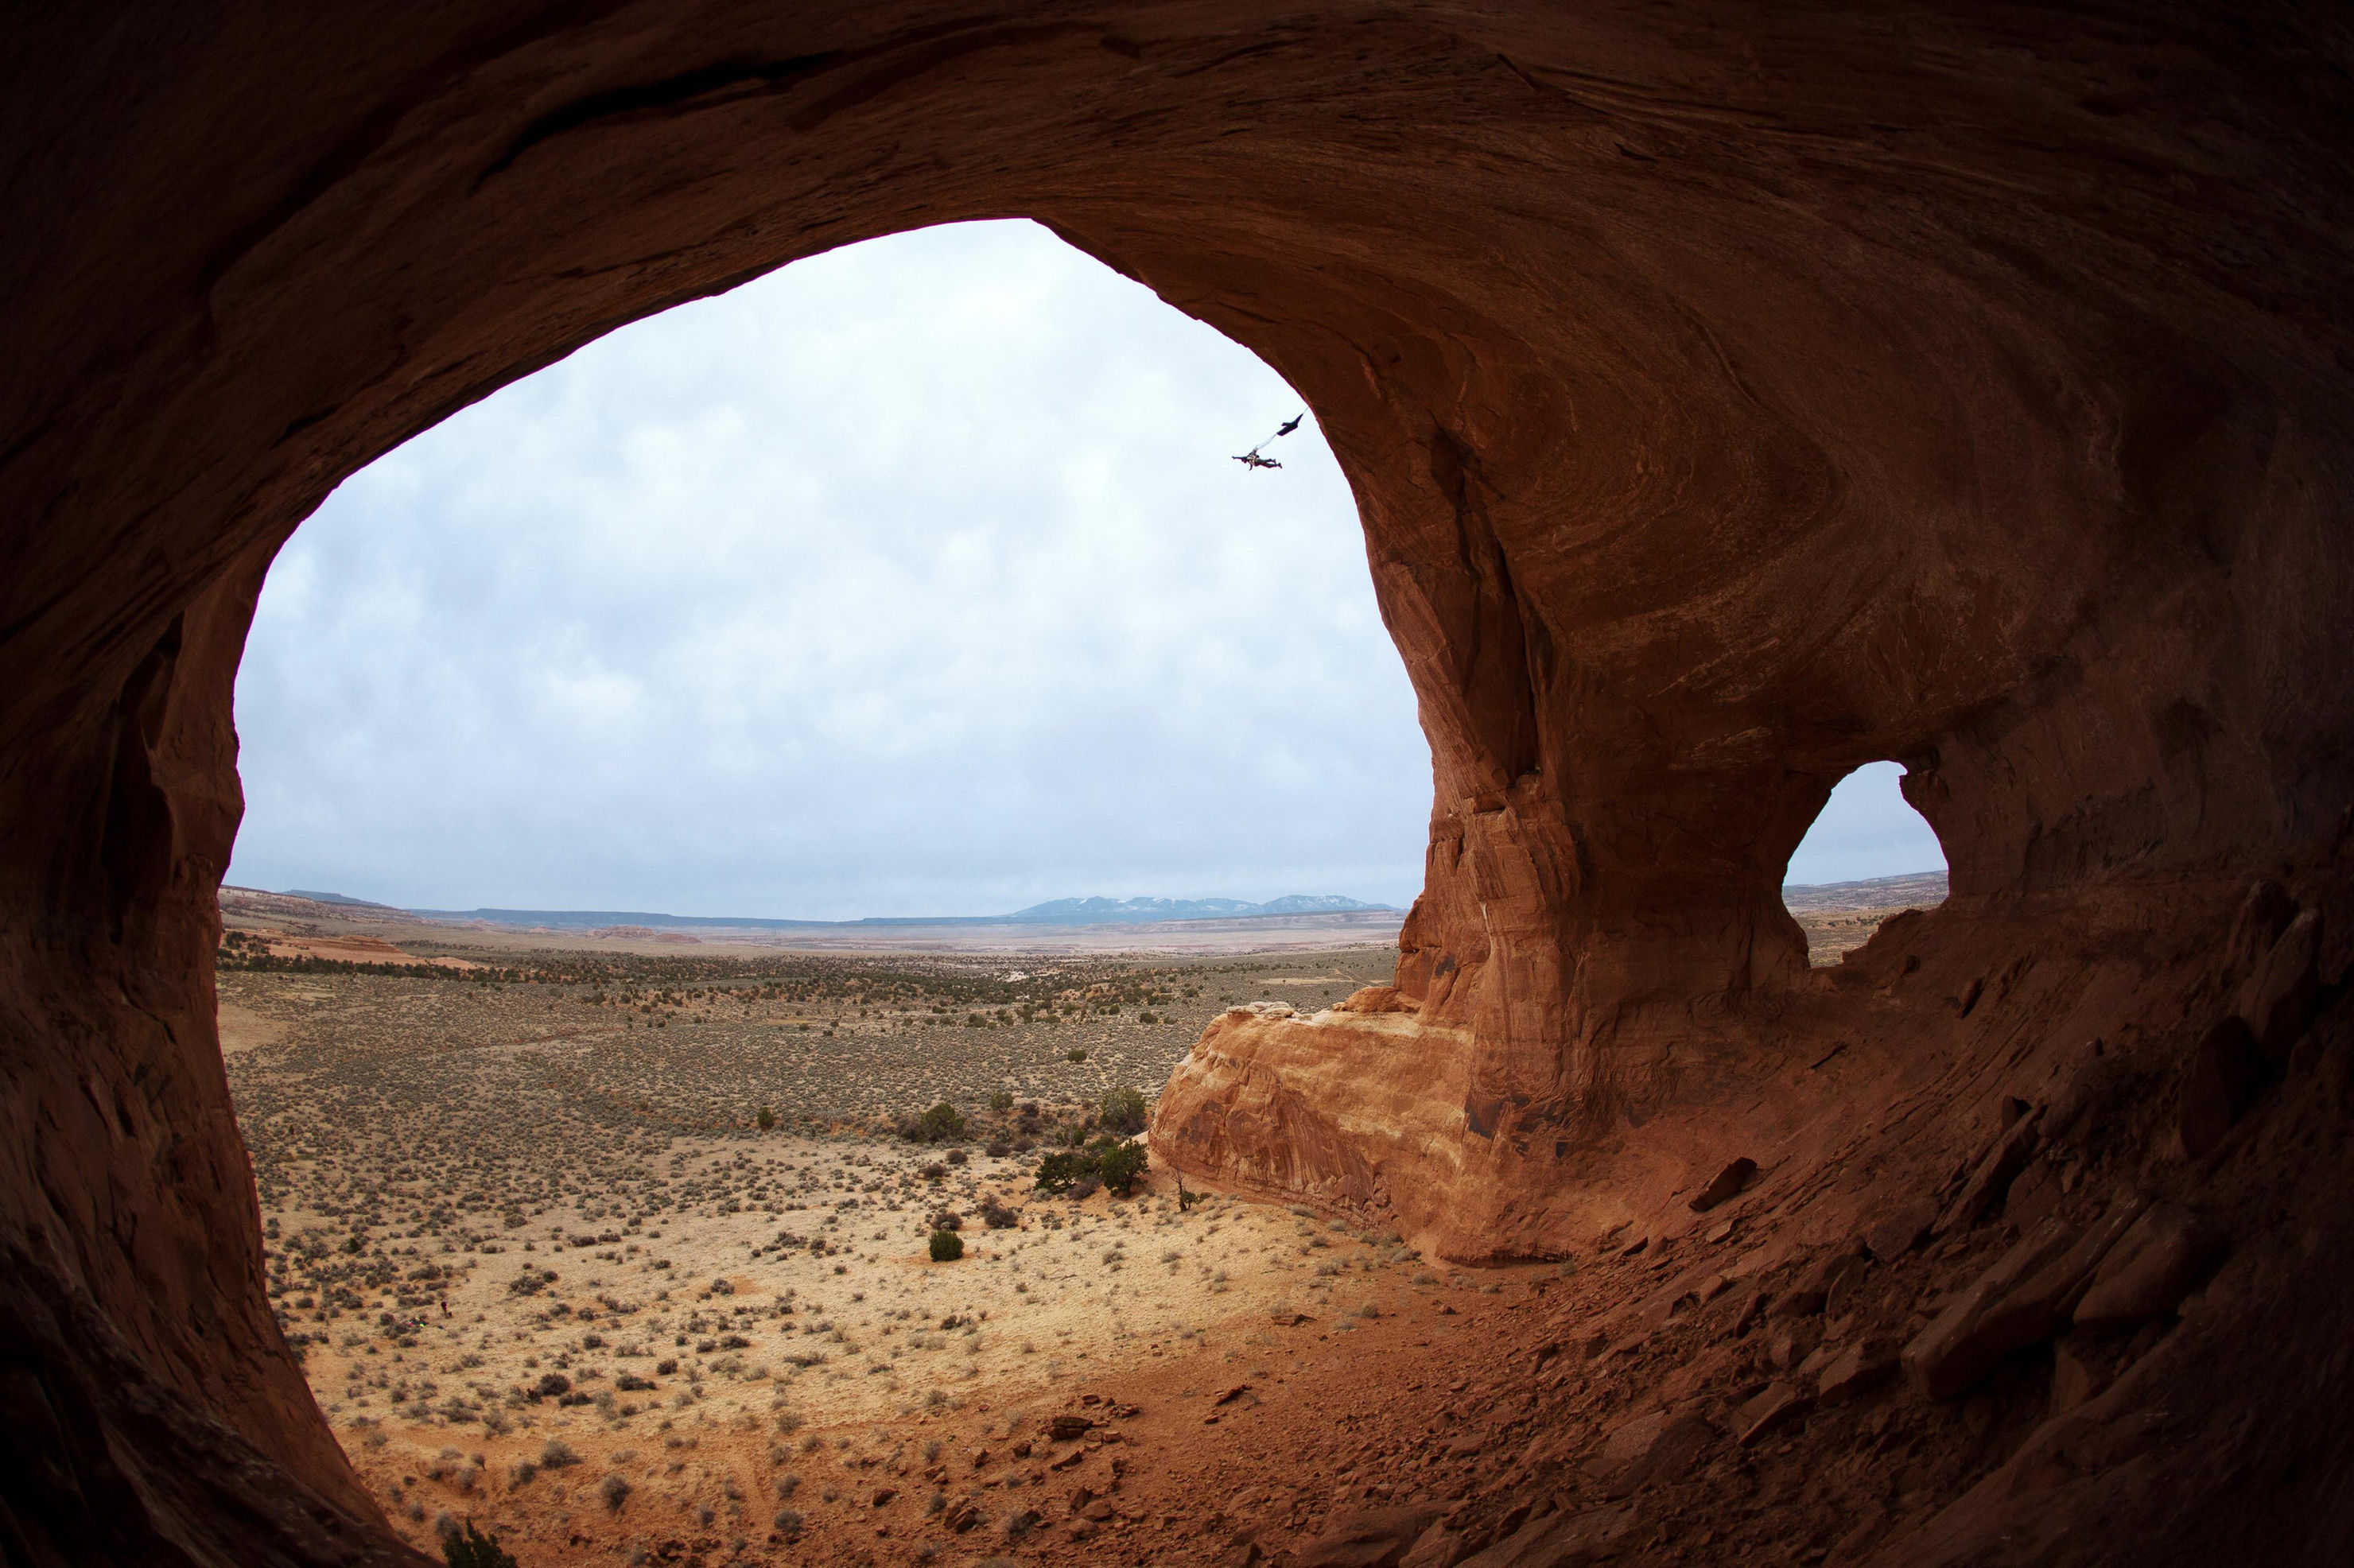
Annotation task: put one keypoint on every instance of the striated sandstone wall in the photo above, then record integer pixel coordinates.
(1732, 395)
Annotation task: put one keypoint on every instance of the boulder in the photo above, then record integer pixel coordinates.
(1846, 1284)
(1775, 1405)
(1437, 1547)
(2099, 1076)
(1728, 1183)
(1900, 1230)
(1657, 1446)
(2169, 1253)
(2039, 1189)
(1983, 1190)
(2263, 915)
(1810, 1292)
(2025, 1297)
(1749, 1308)
(1561, 1540)
(1855, 1372)
(2074, 1379)
(1626, 1443)
(2218, 1083)
(2277, 998)
(1366, 1537)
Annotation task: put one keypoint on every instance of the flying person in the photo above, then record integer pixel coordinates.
(1251, 459)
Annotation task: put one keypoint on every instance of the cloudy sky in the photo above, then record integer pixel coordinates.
(914, 578)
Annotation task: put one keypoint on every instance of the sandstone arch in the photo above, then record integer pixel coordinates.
(1731, 396)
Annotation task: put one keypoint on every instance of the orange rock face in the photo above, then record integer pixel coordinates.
(1731, 397)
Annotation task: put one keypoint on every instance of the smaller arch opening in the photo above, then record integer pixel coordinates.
(1868, 855)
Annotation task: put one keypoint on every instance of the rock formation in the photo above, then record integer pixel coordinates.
(1731, 397)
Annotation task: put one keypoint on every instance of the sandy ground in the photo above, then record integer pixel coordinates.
(502, 1211)
(1833, 934)
(547, 1274)
(242, 1029)
(729, 1391)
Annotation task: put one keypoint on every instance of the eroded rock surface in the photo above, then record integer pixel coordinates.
(1732, 398)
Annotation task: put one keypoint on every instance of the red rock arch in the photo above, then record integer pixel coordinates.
(1731, 396)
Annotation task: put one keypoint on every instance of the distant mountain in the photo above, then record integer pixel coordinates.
(314, 905)
(317, 898)
(1141, 911)
(311, 906)
(1921, 889)
(1314, 903)
(1059, 912)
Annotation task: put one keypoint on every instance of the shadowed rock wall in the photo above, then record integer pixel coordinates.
(1733, 396)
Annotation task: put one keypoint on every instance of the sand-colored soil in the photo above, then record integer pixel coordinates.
(708, 1377)
(500, 1214)
(1831, 935)
(242, 1029)
(547, 1274)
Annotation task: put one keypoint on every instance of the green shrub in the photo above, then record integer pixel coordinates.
(767, 1118)
(947, 1246)
(1116, 1162)
(940, 1124)
(1076, 1054)
(1120, 1163)
(1059, 1169)
(1123, 1110)
(1001, 1100)
(469, 1548)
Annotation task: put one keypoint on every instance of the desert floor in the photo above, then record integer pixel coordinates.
(511, 1220)
(549, 1276)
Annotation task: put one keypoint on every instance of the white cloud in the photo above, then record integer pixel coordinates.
(913, 578)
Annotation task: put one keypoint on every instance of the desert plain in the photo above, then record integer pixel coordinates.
(620, 1246)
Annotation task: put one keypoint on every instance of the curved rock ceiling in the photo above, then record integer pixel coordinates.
(1731, 394)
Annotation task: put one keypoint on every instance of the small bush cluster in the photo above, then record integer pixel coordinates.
(1113, 1161)
(941, 1124)
(947, 1246)
(1123, 1110)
